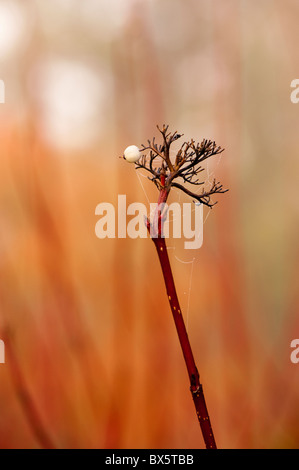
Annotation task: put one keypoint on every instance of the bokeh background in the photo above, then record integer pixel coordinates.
(92, 356)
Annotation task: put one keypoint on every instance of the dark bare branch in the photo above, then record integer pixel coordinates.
(186, 167)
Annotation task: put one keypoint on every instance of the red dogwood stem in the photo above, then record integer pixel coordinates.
(195, 385)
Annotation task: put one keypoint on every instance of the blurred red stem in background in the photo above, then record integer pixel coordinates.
(195, 385)
(27, 402)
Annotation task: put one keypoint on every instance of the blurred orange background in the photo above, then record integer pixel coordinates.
(92, 359)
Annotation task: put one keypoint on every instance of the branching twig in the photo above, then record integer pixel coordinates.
(187, 166)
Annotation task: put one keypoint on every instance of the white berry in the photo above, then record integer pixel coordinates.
(132, 154)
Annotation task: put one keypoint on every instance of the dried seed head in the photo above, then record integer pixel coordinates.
(132, 154)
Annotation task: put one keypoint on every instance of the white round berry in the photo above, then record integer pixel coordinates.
(132, 154)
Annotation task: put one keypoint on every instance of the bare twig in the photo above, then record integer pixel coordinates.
(186, 167)
(195, 384)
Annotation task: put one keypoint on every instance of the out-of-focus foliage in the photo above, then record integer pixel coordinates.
(88, 332)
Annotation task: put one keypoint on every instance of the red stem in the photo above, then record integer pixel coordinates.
(195, 385)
